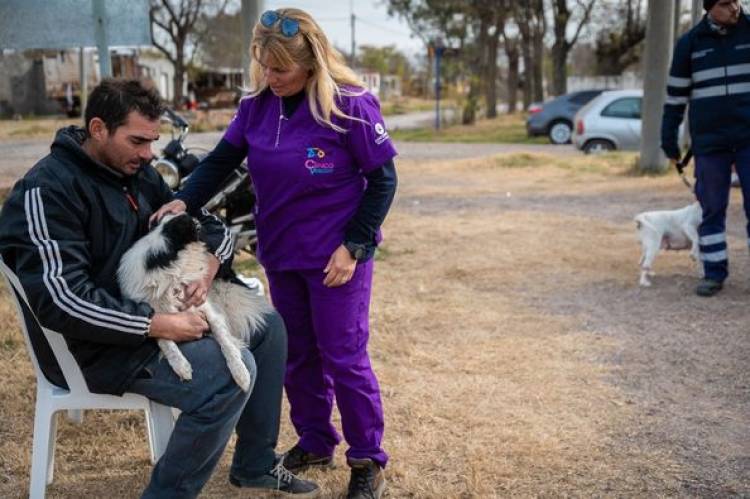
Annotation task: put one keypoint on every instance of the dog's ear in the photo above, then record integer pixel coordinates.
(180, 231)
(161, 257)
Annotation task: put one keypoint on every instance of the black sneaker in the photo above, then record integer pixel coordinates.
(298, 459)
(279, 479)
(367, 480)
(708, 287)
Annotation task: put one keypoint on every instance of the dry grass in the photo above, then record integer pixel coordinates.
(509, 129)
(486, 394)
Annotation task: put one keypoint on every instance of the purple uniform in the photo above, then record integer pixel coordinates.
(308, 178)
(309, 182)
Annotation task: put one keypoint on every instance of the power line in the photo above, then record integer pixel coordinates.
(383, 28)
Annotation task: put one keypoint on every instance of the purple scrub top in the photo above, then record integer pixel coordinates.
(309, 179)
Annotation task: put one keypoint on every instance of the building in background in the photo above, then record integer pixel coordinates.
(44, 82)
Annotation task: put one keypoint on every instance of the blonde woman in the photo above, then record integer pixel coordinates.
(322, 165)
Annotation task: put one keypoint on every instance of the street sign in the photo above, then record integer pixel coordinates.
(41, 24)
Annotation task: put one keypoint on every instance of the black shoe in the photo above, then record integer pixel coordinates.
(298, 459)
(708, 287)
(367, 480)
(279, 479)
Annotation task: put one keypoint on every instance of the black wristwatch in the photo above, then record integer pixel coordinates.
(357, 250)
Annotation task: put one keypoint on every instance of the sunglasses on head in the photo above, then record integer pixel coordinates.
(288, 26)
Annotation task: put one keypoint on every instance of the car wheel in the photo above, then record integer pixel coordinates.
(598, 146)
(560, 132)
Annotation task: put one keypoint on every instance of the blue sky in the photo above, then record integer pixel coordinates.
(373, 26)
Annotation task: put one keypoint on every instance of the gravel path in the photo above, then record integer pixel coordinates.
(683, 360)
(16, 157)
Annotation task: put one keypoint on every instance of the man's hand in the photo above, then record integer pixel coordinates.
(175, 206)
(196, 292)
(340, 268)
(178, 327)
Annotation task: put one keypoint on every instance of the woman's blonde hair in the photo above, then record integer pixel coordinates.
(330, 77)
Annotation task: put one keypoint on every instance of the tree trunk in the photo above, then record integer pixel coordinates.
(491, 89)
(528, 73)
(560, 48)
(655, 71)
(179, 78)
(538, 29)
(559, 69)
(512, 53)
(538, 61)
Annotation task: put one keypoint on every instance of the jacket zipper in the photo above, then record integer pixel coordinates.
(278, 129)
(131, 200)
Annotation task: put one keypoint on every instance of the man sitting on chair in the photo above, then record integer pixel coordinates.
(63, 230)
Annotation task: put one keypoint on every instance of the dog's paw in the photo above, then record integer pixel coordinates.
(242, 377)
(183, 369)
(645, 283)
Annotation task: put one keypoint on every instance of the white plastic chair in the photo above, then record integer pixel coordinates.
(51, 398)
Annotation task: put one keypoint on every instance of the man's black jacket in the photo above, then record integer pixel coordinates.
(63, 229)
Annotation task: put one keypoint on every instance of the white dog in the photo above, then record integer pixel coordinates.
(156, 270)
(668, 229)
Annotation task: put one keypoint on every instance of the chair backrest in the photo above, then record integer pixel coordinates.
(68, 365)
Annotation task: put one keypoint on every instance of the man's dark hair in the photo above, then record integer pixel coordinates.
(114, 98)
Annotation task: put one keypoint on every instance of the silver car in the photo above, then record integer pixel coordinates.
(610, 121)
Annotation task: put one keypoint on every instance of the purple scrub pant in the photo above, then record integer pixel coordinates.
(327, 333)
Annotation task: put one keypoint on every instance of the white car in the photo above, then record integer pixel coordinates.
(610, 121)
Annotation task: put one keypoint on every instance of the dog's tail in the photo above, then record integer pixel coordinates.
(641, 221)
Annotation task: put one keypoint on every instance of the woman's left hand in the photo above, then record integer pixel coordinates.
(340, 268)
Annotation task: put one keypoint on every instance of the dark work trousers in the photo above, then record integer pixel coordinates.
(713, 174)
(213, 407)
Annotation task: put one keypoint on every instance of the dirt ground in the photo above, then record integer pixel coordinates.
(516, 354)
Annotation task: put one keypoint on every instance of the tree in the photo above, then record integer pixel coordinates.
(174, 32)
(386, 60)
(221, 45)
(475, 26)
(561, 48)
(532, 24)
(619, 44)
(513, 53)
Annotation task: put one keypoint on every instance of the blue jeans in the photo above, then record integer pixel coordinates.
(713, 183)
(212, 407)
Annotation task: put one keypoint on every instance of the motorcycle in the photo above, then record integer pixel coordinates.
(233, 201)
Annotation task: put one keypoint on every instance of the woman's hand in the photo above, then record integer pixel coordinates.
(175, 206)
(196, 292)
(340, 268)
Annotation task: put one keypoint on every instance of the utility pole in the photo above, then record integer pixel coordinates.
(677, 16)
(697, 11)
(354, 45)
(659, 27)
(439, 49)
(250, 13)
(100, 33)
(84, 82)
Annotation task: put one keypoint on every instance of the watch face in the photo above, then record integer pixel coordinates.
(359, 253)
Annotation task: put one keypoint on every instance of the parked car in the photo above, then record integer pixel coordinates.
(554, 118)
(610, 121)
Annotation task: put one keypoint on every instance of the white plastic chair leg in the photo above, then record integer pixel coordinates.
(159, 423)
(42, 445)
(52, 446)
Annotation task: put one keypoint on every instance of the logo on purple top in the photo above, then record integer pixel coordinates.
(315, 164)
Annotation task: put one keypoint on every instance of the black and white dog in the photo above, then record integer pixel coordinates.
(157, 268)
